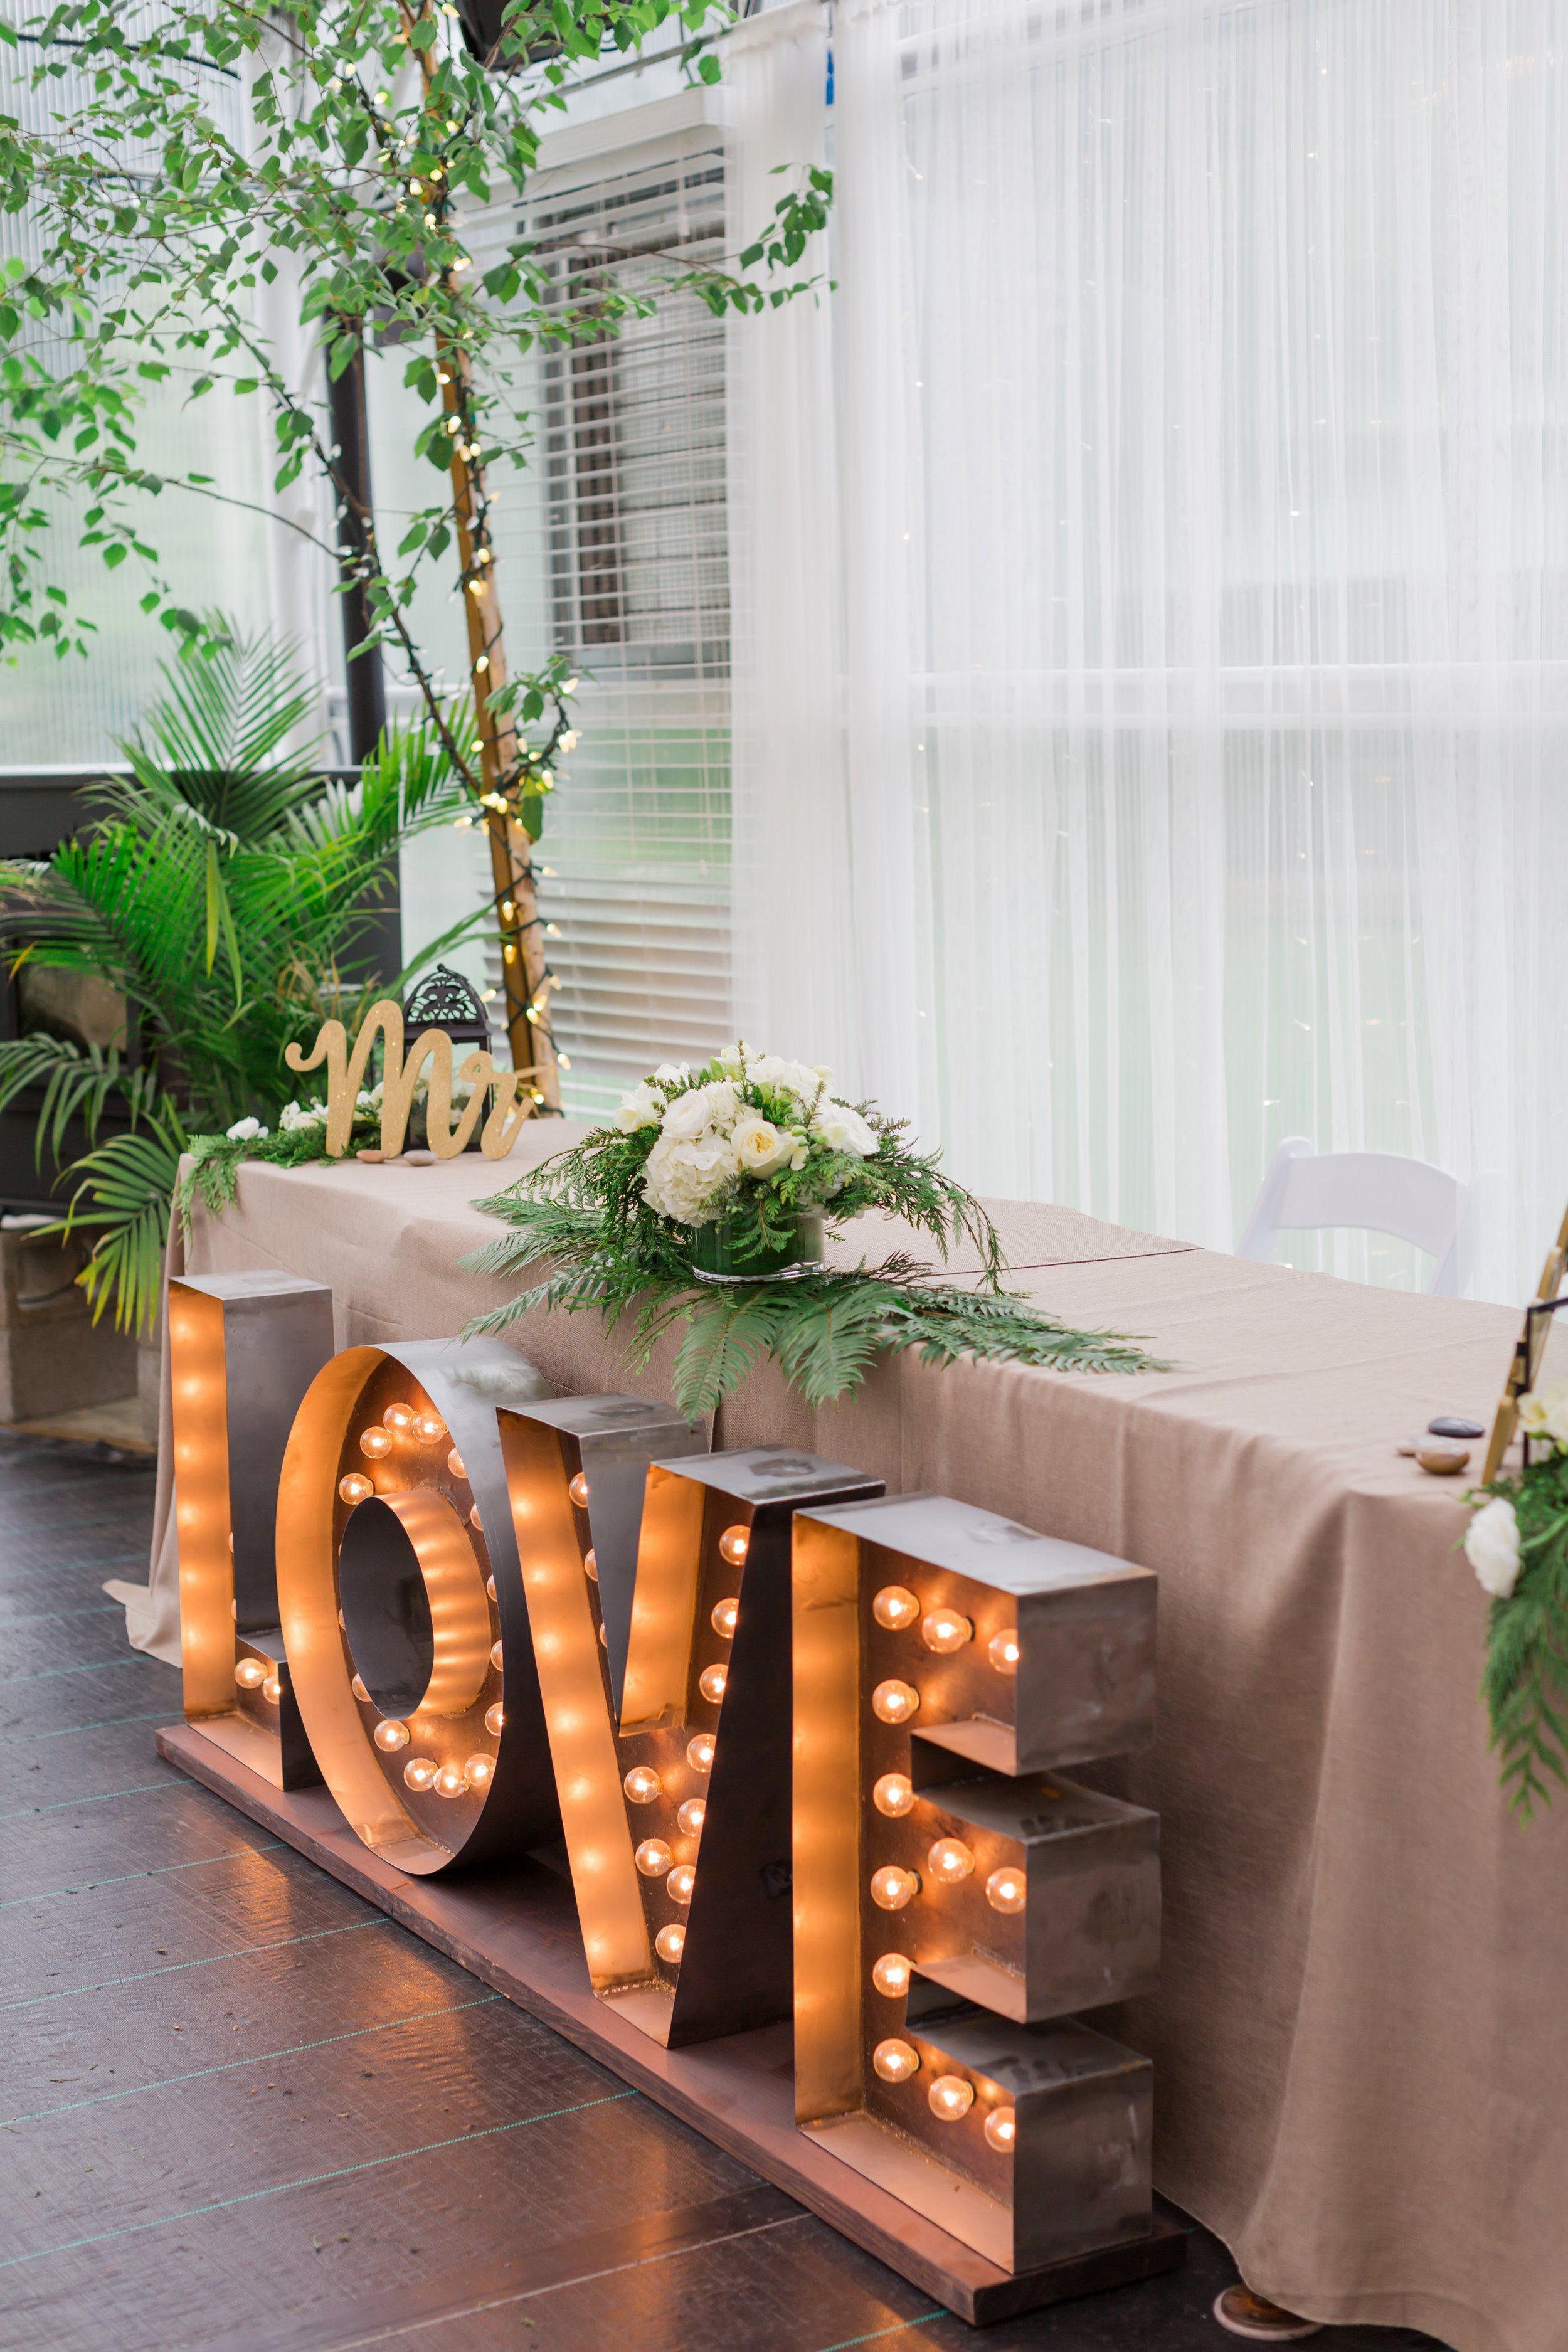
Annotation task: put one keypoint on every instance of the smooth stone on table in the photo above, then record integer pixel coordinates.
(1449, 1425)
(1441, 1456)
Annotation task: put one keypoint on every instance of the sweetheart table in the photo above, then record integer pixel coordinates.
(1362, 2078)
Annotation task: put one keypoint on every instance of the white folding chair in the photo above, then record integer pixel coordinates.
(1374, 1191)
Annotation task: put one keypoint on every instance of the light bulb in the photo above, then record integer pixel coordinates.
(950, 1861)
(428, 1426)
(578, 1490)
(491, 1592)
(250, 1673)
(272, 1690)
(691, 1815)
(654, 1857)
(1002, 1649)
(894, 1607)
(700, 1752)
(495, 1717)
(456, 1464)
(681, 1882)
(670, 1942)
(356, 1487)
(945, 1631)
(375, 1444)
(893, 1795)
(474, 1520)
(892, 1887)
(894, 1702)
(478, 1771)
(950, 2098)
(890, 1975)
(591, 1567)
(710, 1682)
(1007, 1889)
(419, 1772)
(496, 1656)
(724, 1617)
(642, 1784)
(398, 1418)
(451, 1781)
(390, 1736)
(734, 1545)
(895, 2061)
(360, 1691)
(1001, 2129)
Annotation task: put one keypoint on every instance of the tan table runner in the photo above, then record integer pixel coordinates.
(1361, 2074)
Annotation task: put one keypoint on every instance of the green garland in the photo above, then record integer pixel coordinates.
(1525, 1682)
(216, 1159)
(582, 1216)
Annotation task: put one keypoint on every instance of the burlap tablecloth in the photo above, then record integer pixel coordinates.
(1360, 2067)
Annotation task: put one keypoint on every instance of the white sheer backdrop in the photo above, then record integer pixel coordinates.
(1202, 534)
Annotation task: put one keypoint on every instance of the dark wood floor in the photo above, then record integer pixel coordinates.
(240, 2109)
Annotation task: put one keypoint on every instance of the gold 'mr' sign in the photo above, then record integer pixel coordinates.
(348, 1071)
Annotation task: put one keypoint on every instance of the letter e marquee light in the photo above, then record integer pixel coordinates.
(955, 1895)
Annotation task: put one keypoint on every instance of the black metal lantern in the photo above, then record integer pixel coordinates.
(444, 1000)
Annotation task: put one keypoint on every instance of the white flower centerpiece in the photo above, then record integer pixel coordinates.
(703, 1203)
(745, 1154)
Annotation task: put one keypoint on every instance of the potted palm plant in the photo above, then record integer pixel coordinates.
(224, 891)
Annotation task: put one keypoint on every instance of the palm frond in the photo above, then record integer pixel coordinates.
(211, 750)
(77, 1081)
(124, 1196)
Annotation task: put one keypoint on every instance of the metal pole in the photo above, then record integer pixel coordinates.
(367, 680)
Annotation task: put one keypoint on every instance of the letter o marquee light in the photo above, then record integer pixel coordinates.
(414, 1594)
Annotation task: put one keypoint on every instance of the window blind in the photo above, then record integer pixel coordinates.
(614, 544)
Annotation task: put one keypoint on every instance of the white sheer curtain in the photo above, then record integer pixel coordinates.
(791, 852)
(1201, 440)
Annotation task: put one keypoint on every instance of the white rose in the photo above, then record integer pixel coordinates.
(1544, 1412)
(843, 1129)
(671, 1074)
(244, 1129)
(1491, 1546)
(783, 1077)
(732, 1060)
(642, 1108)
(686, 1180)
(691, 1115)
(759, 1146)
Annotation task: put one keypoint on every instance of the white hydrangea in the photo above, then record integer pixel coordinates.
(842, 1128)
(689, 1179)
(246, 1130)
(1491, 1546)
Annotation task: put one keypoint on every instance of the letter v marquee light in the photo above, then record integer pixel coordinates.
(677, 1821)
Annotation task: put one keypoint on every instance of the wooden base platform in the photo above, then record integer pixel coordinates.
(515, 1929)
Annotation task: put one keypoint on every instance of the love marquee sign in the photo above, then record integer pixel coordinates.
(781, 1759)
